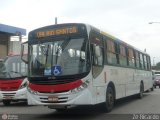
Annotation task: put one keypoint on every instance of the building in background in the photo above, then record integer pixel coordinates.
(10, 39)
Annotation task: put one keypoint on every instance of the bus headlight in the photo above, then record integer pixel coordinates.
(24, 83)
(80, 88)
(32, 91)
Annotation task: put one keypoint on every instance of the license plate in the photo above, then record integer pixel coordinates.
(7, 97)
(52, 98)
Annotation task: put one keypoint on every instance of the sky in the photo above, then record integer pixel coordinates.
(127, 20)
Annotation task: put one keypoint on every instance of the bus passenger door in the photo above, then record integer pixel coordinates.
(97, 50)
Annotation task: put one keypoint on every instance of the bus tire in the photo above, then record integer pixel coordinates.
(110, 98)
(6, 102)
(140, 95)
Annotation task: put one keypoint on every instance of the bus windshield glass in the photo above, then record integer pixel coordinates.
(12, 67)
(59, 57)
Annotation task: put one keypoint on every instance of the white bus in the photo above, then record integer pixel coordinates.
(13, 79)
(77, 64)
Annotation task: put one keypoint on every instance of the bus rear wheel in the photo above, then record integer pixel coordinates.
(110, 99)
(140, 95)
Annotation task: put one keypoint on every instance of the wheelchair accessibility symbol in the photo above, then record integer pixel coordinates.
(56, 70)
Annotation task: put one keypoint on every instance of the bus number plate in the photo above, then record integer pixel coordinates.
(52, 98)
(7, 97)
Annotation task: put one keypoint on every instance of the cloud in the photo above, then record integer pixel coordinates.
(124, 19)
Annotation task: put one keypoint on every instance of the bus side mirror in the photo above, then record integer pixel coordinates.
(24, 52)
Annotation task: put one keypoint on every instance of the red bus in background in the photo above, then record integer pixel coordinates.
(13, 79)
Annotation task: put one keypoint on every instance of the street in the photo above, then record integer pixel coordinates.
(127, 108)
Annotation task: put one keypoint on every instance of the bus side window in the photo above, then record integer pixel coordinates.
(98, 57)
(97, 53)
(137, 59)
(148, 63)
(117, 51)
(145, 62)
(131, 59)
(111, 52)
(141, 61)
(122, 56)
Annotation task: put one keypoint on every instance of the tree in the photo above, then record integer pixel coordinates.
(157, 66)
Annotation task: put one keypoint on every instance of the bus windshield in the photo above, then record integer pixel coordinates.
(59, 57)
(12, 67)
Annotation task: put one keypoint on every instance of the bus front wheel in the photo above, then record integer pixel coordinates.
(109, 103)
(6, 102)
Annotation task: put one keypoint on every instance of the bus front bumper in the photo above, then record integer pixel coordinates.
(20, 94)
(61, 99)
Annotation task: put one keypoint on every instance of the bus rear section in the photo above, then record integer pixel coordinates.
(13, 80)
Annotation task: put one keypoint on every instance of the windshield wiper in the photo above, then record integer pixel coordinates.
(57, 53)
(61, 48)
(47, 55)
(45, 52)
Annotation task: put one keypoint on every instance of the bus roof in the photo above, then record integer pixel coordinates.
(56, 25)
(118, 40)
(91, 27)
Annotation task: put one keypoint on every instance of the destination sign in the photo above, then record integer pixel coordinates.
(58, 31)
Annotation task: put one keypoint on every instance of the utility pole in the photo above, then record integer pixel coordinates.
(153, 61)
(55, 20)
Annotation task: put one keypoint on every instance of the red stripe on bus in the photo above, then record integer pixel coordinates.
(10, 85)
(55, 88)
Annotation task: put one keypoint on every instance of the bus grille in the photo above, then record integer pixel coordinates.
(61, 97)
(8, 95)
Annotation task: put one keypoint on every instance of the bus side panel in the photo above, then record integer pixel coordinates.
(117, 76)
(99, 88)
(126, 81)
